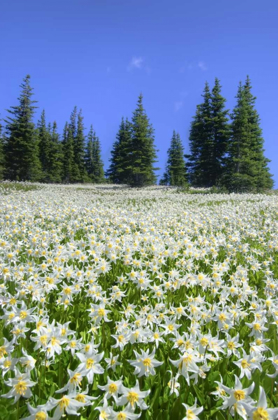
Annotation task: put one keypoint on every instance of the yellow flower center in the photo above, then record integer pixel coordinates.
(239, 394)
(112, 388)
(43, 339)
(147, 362)
(54, 341)
(3, 351)
(76, 379)
(40, 415)
(101, 312)
(190, 415)
(132, 398)
(89, 363)
(231, 345)
(204, 342)
(121, 416)
(64, 402)
(222, 317)
(23, 314)
(245, 364)
(260, 414)
(80, 398)
(21, 387)
(7, 363)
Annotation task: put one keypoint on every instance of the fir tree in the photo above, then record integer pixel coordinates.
(220, 133)
(21, 146)
(200, 159)
(208, 139)
(175, 174)
(79, 149)
(89, 159)
(246, 169)
(98, 171)
(120, 169)
(93, 159)
(56, 155)
(44, 138)
(69, 172)
(143, 151)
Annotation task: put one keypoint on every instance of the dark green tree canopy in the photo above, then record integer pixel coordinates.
(175, 173)
(120, 169)
(246, 166)
(143, 154)
(21, 147)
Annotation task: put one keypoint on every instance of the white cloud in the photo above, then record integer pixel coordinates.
(135, 63)
(178, 105)
(190, 66)
(202, 66)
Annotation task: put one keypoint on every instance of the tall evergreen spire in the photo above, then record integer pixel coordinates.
(120, 169)
(246, 168)
(175, 173)
(21, 148)
(143, 151)
(200, 159)
(44, 139)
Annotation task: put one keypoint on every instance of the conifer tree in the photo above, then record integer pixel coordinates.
(21, 146)
(246, 169)
(200, 159)
(208, 139)
(143, 151)
(220, 133)
(56, 155)
(94, 163)
(120, 169)
(89, 159)
(44, 138)
(79, 148)
(69, 172)
(175, 174)
(98, 171)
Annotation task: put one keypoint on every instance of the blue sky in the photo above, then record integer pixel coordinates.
(100, 54)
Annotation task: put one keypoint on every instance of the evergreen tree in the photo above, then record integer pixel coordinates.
(21, 146)
(44, 138)
(79, 149)
(73, 122)
(120, 169)
(56, 155)
(175, 173)
(2, 160)
(220, 132)
(143, 154)
(208, 139)
(89, 159)
(200, 159)
(69, 172)
(246, 168)
(98, 171)
(94, 163)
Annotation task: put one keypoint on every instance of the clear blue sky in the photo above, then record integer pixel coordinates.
(100, 54)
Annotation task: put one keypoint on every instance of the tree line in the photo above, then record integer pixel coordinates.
(225, 149)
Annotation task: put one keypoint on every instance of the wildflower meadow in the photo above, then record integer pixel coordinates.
(119, 303)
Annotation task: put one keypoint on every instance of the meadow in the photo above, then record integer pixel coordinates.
(119, 303)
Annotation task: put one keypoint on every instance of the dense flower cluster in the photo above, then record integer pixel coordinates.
(120, 304)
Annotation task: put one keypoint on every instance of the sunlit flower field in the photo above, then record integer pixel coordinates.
(117, 304)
